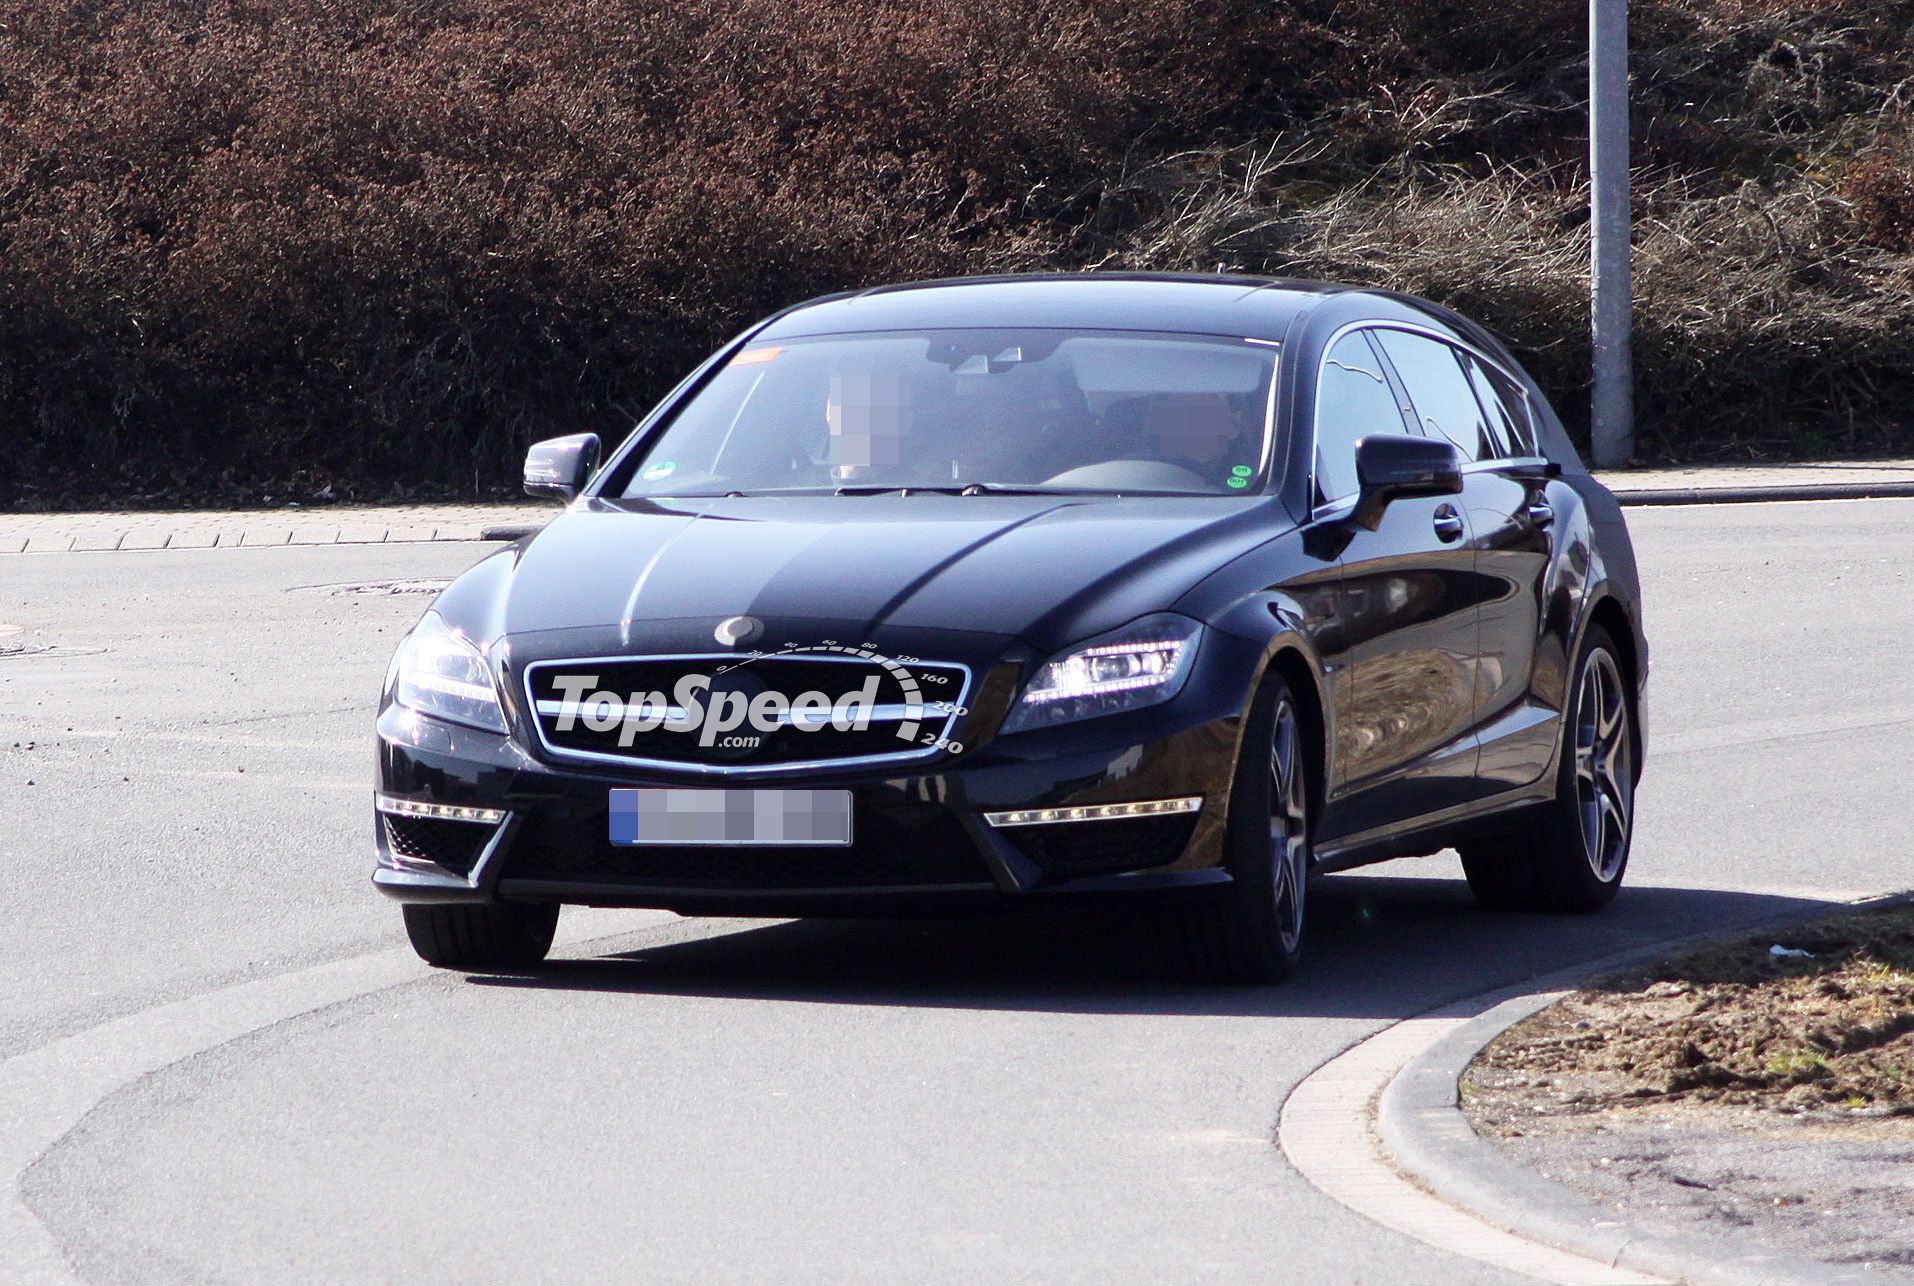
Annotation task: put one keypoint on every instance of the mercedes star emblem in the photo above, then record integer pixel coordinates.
(735, 630)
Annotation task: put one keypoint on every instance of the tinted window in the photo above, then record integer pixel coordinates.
(1507, 406)
(1432, 373)
(1353, 401)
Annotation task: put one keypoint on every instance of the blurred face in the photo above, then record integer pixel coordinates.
(869, 418)
(1194, 426)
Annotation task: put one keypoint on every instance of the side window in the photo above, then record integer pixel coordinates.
(1353, 400)
(1507, 405)
(1445, 402)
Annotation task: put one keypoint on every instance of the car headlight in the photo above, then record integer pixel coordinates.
(437, 672)
(1139, 665)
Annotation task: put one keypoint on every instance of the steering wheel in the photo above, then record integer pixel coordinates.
(1133, 475)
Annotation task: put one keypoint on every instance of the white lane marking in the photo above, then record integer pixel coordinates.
(1327, 1131)
(46, 1091)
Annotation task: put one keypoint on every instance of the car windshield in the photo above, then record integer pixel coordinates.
(972, 410)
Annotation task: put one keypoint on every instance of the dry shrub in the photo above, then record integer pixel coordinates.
(1774, 288)
(1763, 323)
(1883, 196)
(1761, 328)
(325, 242)
(299, 245)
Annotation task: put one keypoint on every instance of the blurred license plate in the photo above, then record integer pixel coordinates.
(784, 817)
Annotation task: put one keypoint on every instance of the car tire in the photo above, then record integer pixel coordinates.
(1251, 930)
(1569, 855)
(504, 935)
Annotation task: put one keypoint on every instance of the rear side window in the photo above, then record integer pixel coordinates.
(1507, 405)
(1440, 388)
(1353, 400)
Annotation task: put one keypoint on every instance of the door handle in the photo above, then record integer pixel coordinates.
(1542, 514)
(1448, 524)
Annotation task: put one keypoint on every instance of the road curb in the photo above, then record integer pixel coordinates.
(1761, 495)
(1420, 1122)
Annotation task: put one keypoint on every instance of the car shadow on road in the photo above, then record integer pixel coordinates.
(1379, 947)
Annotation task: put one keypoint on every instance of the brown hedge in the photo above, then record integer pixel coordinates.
(293, 245)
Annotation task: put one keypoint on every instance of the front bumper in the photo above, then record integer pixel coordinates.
(920, 836)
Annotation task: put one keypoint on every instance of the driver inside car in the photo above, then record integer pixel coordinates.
(870, 421)
(881, 436)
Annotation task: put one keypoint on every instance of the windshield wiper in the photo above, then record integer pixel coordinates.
(968, 489)
(875, 490)
(886, 489)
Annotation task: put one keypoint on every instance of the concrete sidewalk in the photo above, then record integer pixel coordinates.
(42, 533)
(1743, 483)
(380, 524)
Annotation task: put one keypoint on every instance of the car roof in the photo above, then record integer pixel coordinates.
(1258, 307)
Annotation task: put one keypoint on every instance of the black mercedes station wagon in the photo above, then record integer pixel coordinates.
(961, 594)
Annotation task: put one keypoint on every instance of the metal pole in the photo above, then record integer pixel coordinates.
(1612, 403)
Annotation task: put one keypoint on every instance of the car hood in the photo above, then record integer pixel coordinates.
(1046, 569)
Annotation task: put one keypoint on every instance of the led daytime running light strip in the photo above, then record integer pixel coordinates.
(452, 687)
(437, 812)
(1172, 646)
(1095, 812)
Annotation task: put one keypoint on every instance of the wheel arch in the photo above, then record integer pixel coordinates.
(1609, 613)
(1276, 621)
(1305, 685)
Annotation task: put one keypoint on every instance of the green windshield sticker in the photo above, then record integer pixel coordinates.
(663, 469)
(1239, 482)
(1241, 470)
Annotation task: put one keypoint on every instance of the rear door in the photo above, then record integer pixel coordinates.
(1402, 681)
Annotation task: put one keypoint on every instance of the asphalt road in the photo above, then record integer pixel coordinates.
(186, 812)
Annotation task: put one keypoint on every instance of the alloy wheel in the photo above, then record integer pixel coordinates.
(1288, 825)
(1604, 765)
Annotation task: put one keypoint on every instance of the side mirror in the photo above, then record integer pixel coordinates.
(560, 467)
(1395, 466)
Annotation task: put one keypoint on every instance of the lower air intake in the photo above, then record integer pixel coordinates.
(455, 846)
(1074, 850)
